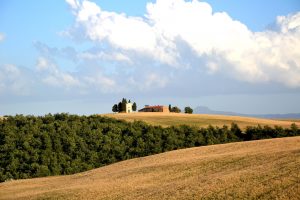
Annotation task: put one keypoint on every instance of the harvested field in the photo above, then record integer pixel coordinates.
(199, 120)
(264, 169)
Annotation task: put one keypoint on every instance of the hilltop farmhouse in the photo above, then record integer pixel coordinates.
(157, 108)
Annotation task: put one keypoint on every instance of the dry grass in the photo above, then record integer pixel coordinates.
(199, 120)
(265, 169)
(291, 120)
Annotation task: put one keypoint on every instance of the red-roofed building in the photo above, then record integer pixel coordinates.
(157, 108)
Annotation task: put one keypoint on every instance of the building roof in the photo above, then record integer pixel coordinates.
(157, 106)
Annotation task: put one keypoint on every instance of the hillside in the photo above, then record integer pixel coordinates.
(206, 110)
(265, 169)
(199, 120)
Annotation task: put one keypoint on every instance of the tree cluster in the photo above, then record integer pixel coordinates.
(174, 109)
(188, 110)
(121, 106)
(66, 144)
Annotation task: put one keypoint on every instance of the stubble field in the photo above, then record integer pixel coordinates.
(200, 120)
(264, 169)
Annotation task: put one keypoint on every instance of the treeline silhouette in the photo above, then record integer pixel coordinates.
(60, 144)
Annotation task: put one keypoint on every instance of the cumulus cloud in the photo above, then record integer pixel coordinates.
(80, 82)
(73, 3)
(121, 31)
(68, 53)
(50, 74)
(15, 80)
(171, 28)
(114, 56)
(2, 37)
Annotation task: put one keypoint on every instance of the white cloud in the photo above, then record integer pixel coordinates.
(212, 67)
(155, 80)
(2, 37)
(62, 80)
(14, 80)
(80, 82)
(42, 64)
(267, 56)
(122, 32)
(73, 3)
(115, 56)
(102, 83)
(53, 76)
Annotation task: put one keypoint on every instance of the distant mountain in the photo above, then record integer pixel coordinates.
(279, 116)
(206, 110)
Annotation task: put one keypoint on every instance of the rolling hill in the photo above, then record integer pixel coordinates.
(199, 120)
(264, 169)
(206, 110)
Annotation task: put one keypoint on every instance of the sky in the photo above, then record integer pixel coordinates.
(83, 56)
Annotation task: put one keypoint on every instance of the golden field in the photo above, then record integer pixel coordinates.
(264, 169)
(199, 120)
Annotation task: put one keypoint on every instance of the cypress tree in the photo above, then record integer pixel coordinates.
(134, 107)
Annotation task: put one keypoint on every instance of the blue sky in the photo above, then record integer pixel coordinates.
(82, 56)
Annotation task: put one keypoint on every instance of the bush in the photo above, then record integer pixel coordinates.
(175, 109)
(188, 110)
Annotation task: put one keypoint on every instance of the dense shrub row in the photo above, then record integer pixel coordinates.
(65, 144)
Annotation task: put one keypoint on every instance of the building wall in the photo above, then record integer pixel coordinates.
(164, 109)
(128, 108)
